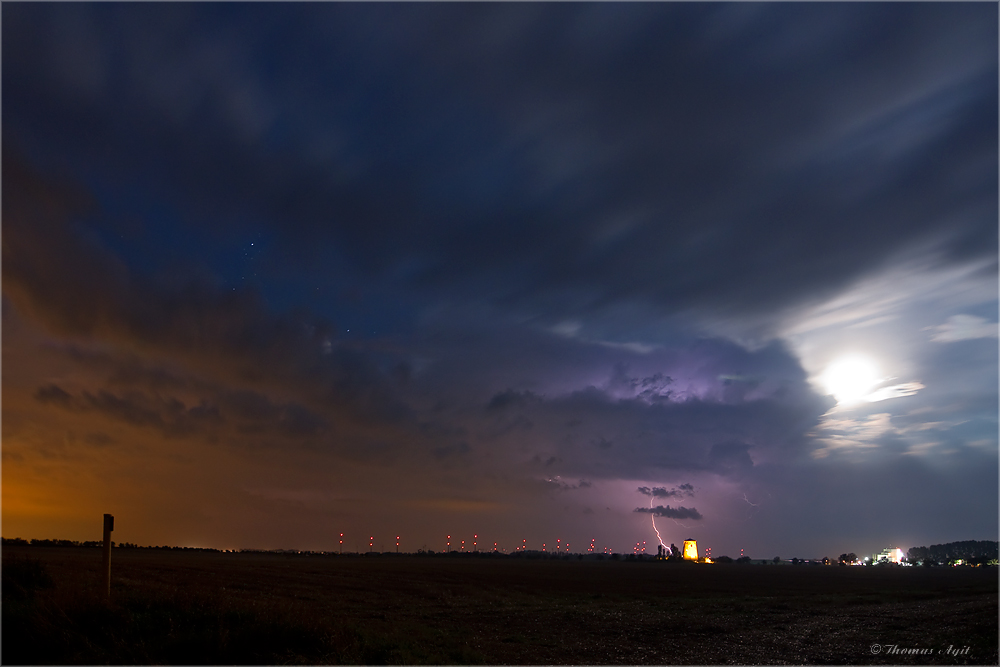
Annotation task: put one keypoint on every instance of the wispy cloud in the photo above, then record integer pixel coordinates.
(963, 327)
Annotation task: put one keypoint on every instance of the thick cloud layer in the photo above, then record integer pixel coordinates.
(512, 262)
(671, 512)
(719, 172)
(663, 492)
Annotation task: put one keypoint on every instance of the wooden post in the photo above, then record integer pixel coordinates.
(109, 525)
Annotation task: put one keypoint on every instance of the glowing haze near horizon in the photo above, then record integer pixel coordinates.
(272, 273)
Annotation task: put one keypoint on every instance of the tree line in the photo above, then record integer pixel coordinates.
(971, 551)
(17, 541)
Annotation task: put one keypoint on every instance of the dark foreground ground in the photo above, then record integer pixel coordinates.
(217, 608)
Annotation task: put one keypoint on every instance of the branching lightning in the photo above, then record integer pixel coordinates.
(652, 517)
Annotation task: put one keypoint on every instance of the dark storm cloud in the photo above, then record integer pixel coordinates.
(168, 415)
(613, 426)
(248, 413)
(663, 492)
(511, 367)
(714, 157)
(730, 455)
(559, 484)
(257, 413)
(671, 512)
(53, 394)
(55, 273)
(544, 210)
(132, 371)
(689, 435)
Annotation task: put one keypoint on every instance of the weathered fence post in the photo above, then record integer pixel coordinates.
(109, 525)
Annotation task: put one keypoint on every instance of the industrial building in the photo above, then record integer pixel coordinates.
(890, 555)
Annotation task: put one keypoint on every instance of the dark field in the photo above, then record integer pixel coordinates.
(212, 608)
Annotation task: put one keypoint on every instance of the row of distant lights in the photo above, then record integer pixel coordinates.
(639, 548)
(560, 547)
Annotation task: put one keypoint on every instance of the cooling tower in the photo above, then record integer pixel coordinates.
(690, 550)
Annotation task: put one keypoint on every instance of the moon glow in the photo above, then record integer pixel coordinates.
(850, 379)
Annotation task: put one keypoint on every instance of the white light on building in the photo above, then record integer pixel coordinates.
(890, 555)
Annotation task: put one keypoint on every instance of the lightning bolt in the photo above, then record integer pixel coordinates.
(652, 517)
(755, 505)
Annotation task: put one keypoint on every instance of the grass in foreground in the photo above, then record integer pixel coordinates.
(184, 608)
(46, 626)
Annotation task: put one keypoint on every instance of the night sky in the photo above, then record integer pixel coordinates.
(273, 272)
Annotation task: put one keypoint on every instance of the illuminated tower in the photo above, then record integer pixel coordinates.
(690, 550)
